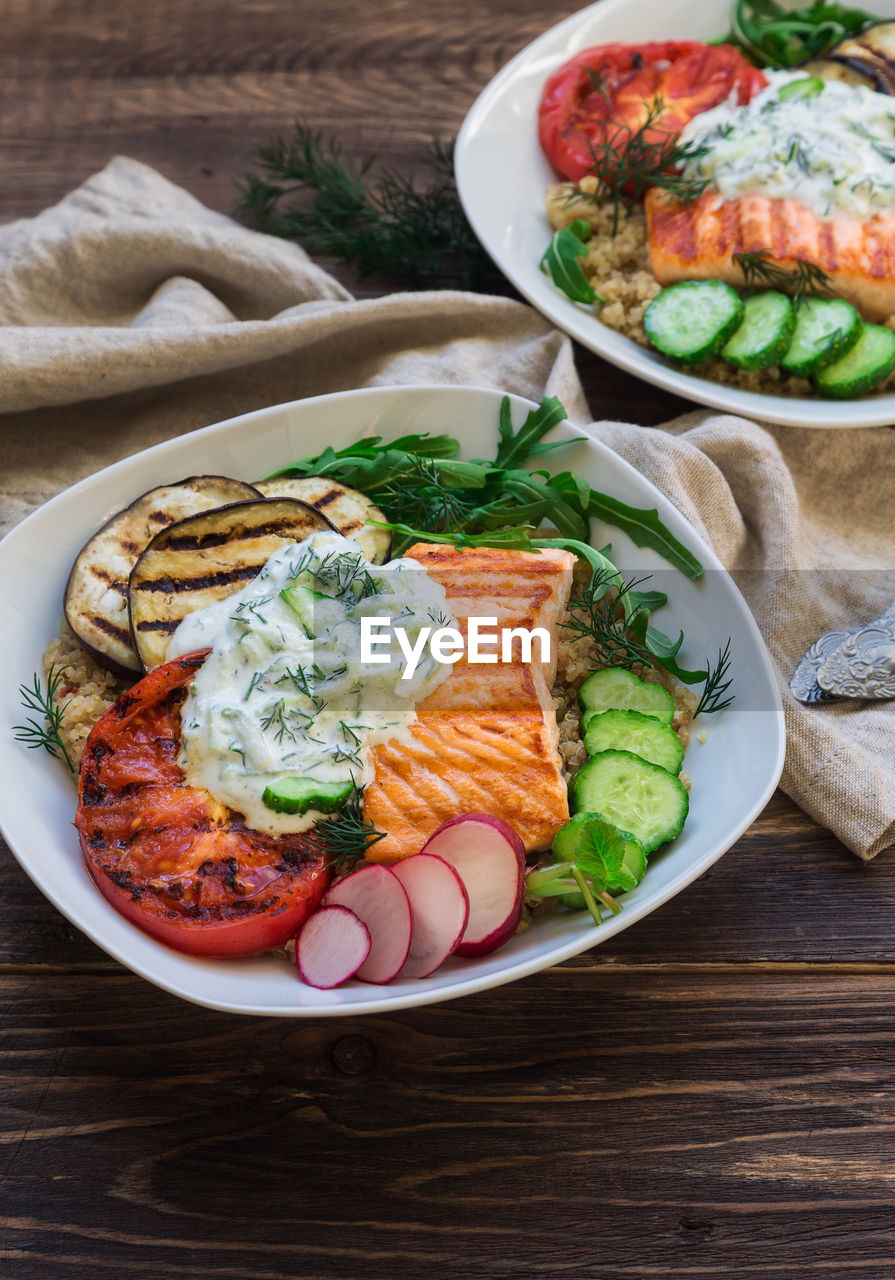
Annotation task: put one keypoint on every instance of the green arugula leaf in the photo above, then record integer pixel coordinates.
(561, 262)
(645, 529)
(516, 446)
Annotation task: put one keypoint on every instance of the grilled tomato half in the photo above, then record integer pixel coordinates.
(604, 95)
(170, 858)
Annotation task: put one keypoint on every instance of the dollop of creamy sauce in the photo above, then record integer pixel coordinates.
(285, 693)
(827, 144)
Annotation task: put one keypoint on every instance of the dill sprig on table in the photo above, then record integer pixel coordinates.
(626, 161)
(43, 731)
(804, 280)
(418, 236)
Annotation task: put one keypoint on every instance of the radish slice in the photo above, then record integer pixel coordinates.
(490, 860)
(440, 907)
(378, 898)
(332, 946)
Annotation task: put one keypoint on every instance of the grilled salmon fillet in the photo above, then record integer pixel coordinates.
(698, 241)
(486, 740)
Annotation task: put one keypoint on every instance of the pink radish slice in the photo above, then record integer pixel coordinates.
(332, 946)
(490, 860)
(378, 898)
(439, 905)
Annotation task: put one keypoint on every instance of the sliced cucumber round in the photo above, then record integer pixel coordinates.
(765, 333)
(825, 329)
(639, 797)
(645, 736)
(615, 688)
(868, 363)
(692, 320)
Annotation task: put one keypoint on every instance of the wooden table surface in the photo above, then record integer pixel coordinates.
(710, 1094)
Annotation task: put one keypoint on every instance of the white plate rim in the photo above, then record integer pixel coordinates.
(634, 909)
(579, 322)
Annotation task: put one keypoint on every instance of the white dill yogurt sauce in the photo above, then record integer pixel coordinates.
(284, 692)
(827, 144)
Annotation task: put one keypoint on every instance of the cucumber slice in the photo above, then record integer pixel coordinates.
(644, 736)
(567, 845)
(869, 362)
(616, 688)
(765, 333)
(301, 601)
(639, 797)
(825, 329)
(299, 795)
(692, 320)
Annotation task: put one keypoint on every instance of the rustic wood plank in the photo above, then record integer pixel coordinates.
(640, 1126)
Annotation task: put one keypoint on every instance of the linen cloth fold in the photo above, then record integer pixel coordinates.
(130, 313)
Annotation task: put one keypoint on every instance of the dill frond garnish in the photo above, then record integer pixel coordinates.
(804, 280)
(627, 161)
(716, 685)
(603, 612)
(44, 730)
(418, 237)
(346, 837)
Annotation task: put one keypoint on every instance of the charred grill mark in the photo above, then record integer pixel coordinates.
(112, 582)
(161, 518)
(283, 526)
(109, 628)
(133, 548)
(93, 792)
(326, 499)
(200, 582)
(159, 624)
(123, 705)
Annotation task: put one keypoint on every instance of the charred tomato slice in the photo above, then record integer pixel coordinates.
(604, 94)
(170, 858)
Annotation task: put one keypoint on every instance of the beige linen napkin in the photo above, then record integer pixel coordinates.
(129, 313)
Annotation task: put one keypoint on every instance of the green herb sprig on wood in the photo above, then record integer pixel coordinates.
(417, 236)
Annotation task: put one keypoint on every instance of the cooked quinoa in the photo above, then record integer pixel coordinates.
(86, 690)
(617, 267)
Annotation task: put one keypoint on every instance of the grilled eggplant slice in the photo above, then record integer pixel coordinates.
(96, 594)
(872, 53)
(835, 69)
(204, 558)
(348, 509)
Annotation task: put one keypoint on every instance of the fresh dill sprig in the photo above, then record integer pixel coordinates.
(419, 496)
(419, 237)
(346, 837)
(626, 161)
(716, 685)
(44, 730)
(804, 280)
(602, 612)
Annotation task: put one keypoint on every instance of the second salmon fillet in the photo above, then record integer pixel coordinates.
(487, 739)
(698, 241)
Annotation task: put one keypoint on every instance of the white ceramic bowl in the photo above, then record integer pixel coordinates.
(502, 176)
(733, 774)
